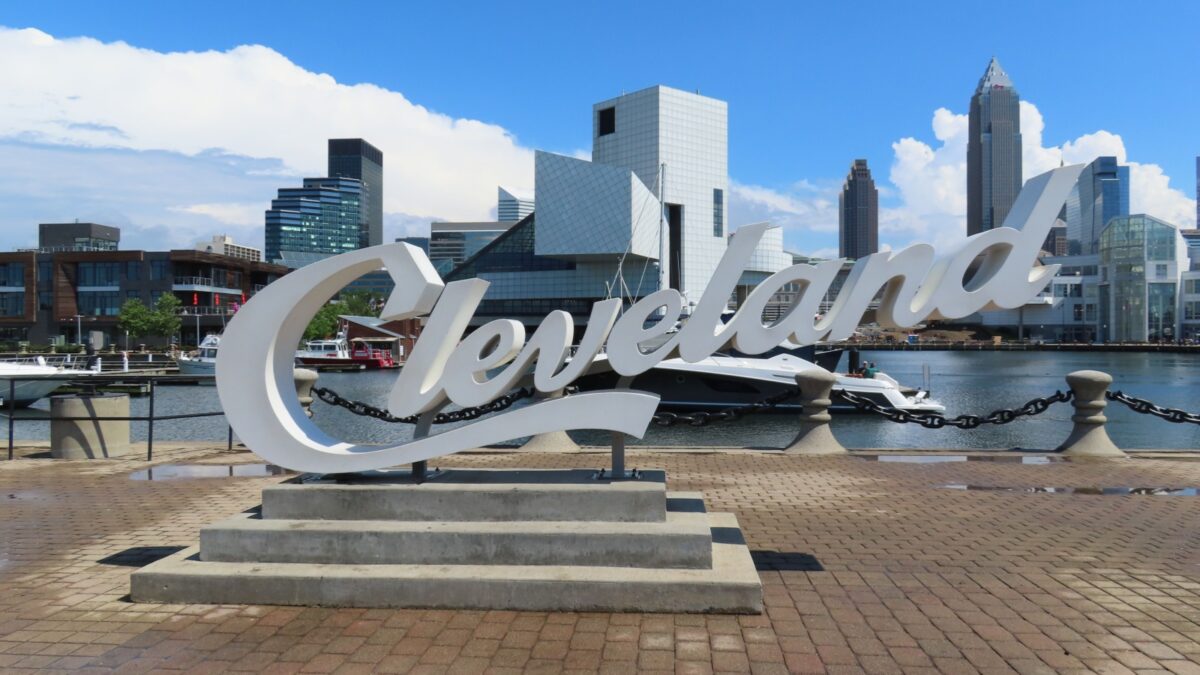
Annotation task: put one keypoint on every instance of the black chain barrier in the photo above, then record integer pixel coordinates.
(938, 421)
(359, 408)
(1145, 407)
(700, 419)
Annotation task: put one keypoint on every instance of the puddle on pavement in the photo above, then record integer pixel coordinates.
(1157, 491)
(939, 458)
(185, 471)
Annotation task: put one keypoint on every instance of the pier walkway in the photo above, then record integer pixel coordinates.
(868, 566)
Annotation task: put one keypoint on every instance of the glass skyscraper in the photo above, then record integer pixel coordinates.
(1101, 194)
(858, 213)
(993, 150)
(311, 222)
(358, 159)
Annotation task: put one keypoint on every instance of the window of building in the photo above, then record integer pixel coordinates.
(160, 270)
(99, 303)
(1089, 312)
(718, 213)
(1191, 286)
(100, 273)
(133, 270)
(12, 274)
(12, 304)
(1077, 312)
(45, 301)
(1160, 271)
(1191, 310)
(45, 273)
(607, 122)
(133, 295)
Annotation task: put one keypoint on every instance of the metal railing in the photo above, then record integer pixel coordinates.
(193, 281)
(96, 382)
(205, 310)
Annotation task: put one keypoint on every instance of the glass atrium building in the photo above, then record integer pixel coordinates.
(1141, 260)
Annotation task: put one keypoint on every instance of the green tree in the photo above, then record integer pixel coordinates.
(165, 320)
(359, 303)
(136, 319)
(325, 323)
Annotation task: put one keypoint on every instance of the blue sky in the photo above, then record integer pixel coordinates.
(810, 87)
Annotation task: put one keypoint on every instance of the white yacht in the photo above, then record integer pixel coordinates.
(203, 361)
(724, 381)
(28, 382)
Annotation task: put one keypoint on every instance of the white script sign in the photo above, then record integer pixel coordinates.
(255, 361)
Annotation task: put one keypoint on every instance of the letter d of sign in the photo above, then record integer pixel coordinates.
(257, 390)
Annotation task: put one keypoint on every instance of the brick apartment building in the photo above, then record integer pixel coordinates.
(56, 292)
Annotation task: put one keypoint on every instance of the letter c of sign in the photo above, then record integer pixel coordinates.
(257, 388)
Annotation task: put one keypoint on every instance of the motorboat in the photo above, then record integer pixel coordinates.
(341, 354)
(24, 383)
(203, 361)
(724, 381)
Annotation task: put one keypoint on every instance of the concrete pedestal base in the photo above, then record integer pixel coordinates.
(521, 540)
(89, 438)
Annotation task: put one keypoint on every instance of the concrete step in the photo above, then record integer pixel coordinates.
(731, 585)
(683, 540)
(471, 495)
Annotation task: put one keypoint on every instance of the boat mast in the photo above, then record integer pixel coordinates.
(664, 261)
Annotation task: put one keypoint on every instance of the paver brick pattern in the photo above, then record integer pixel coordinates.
(867, 567)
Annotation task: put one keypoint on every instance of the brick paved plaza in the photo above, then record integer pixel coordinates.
(867, 566)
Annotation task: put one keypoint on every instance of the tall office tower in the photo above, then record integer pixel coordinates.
(1101, 194)
(993, 150)
(358, 159)
(684, 135)
(510, 205)
(858, 213)
(312, 222)
(1198, 192)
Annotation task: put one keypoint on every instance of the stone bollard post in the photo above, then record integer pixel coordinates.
(305, 380)
(84, 438)
(551, 441)
(815, 437)
(1088, 437)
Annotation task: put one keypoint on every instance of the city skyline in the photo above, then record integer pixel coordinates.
(168, 184)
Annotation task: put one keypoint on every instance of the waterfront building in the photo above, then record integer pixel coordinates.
(858, 213)
(1101, 194)
(654, 189)
(1141, 262)
(358, 159)
(51, 295)
(1191, 239)
(452, 243)
(312, 222)
(993, 150)
(1189, 305)
(512, 206)
(78, 236)
(223, 244)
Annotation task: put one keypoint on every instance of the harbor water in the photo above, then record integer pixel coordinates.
(965, 382)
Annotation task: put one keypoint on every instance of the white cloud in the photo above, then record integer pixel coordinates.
(249, 102)
(227, 213)
(805, 208)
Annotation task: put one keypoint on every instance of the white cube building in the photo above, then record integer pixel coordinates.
(658, 179)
